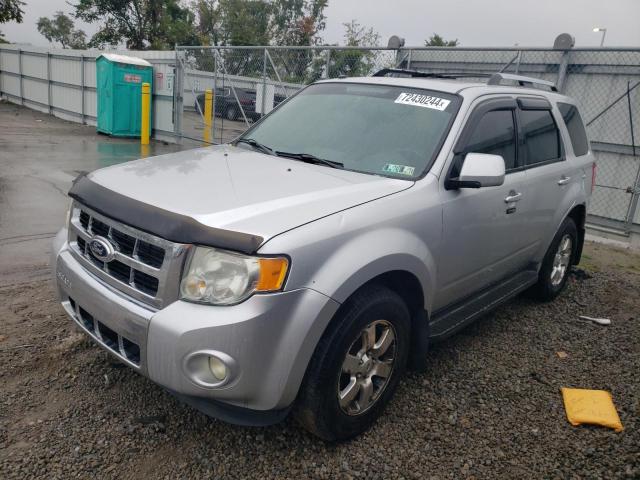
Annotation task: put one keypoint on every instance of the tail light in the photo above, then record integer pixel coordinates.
(594, 169)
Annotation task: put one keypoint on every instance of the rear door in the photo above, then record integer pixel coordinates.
(483, 240)
(549, 173)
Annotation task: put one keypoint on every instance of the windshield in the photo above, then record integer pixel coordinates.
(378, 129)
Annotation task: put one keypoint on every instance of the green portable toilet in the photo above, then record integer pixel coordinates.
(119, 80)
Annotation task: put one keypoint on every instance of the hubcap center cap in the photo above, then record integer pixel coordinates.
(367, 363)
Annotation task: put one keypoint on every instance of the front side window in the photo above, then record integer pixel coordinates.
(541, 136)
(495, 134)
(377, 129)
(574, 124)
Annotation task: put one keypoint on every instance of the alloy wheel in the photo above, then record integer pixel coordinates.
(367, 367)
(561, 260)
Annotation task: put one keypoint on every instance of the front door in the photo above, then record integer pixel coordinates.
(482, 240)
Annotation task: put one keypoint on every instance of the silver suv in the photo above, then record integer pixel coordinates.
(306, 265)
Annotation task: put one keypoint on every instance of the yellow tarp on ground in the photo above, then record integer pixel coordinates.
(593, 407)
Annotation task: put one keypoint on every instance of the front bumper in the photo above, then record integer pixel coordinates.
(270, 337)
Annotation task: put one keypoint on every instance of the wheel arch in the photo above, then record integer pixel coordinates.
(410, 288)
(579, 215)
(407, 285)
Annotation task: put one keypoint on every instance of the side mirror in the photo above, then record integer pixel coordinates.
(479, 170)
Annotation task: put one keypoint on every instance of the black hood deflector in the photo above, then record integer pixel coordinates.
(157, 221)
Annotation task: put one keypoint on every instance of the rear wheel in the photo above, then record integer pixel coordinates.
(356, 366)
(557, 262)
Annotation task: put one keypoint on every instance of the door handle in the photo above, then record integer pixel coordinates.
(512, 197)
(564, 180)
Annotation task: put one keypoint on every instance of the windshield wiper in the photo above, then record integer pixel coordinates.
(309, 158)
(257, 145)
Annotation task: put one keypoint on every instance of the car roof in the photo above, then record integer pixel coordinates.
(466, 89)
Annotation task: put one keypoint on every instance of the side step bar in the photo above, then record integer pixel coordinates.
(449, 320)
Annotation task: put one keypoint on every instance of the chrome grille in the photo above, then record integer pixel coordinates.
(145, 267)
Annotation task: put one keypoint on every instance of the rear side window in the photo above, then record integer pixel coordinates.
(495, 134)
(574, 124)
(542, 139)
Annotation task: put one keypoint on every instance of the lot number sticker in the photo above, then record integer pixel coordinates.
(419, 100)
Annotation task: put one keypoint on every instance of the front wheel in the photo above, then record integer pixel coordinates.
(356, 366)
(557, 262)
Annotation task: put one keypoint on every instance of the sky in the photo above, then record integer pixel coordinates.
(472, 22)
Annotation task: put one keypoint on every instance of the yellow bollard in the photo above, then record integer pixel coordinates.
(208, 114)
(146, 111)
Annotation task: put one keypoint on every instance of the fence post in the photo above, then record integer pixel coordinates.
(635, 193)
(49, 83)
(82, 85)
(0, 73)
(264, 82)
(562, 71)
(409, 60)
(177, 99)
(215, 88)
(326, 74)
(20, 76)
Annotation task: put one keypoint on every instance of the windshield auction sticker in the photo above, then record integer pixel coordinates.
(419, 100)
(398, 169)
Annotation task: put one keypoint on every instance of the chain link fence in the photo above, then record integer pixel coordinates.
(248, 82)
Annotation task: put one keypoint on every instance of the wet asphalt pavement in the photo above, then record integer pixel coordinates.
(39, 157)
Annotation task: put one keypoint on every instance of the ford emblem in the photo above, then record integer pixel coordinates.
(101, 248)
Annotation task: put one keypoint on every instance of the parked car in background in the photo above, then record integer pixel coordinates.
(308, 264)
(226, 105)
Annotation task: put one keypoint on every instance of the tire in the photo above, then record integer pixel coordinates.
(557, 262)
(378, 311)
(231, 113)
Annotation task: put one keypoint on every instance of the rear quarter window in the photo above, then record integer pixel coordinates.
(575, 126)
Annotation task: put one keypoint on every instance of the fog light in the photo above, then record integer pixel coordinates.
(210, 368)
(218, 368)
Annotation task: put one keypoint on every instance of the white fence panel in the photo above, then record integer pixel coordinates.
(11, 85)
(70, 75)
(65, 98)
(35, 90)
(34, 65)
(90, 104)
(10, 61)
(65, 70)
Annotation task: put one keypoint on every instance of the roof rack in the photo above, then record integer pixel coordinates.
(497, 78)
(415, 73)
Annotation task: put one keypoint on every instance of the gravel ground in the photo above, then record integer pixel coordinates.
(489, 406)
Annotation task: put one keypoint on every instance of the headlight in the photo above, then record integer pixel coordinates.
(219, 277)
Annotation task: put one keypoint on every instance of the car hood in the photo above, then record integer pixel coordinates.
(241, 190)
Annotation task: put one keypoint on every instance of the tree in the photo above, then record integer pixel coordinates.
(437, 41)
(10, 10)
(61, 29)
(139, 24)
(259, 22)
(351, 63)
(297, 22)
(209, 22)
